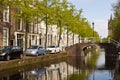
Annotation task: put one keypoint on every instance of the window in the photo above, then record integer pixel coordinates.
(18, 24)
(35, 28)
(19, 20)
(5, 37)
(20, 40)
(6, 14)
(31, 27)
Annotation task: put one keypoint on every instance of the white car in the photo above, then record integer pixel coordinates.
(53, 49)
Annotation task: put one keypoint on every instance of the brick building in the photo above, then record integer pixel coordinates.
(4, 26)
(14, 31)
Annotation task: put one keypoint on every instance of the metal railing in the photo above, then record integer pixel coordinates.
(113, 41)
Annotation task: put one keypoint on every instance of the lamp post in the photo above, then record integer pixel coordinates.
(93, 30)
(93, 42)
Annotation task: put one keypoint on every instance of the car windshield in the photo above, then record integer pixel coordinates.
(7, 48)
(33, 47)
(52, 46)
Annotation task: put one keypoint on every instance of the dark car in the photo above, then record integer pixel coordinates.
(11, 52)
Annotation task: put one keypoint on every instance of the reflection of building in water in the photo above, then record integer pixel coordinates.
(59, 71)
(53, 72)
(37, 74)
(117, 71)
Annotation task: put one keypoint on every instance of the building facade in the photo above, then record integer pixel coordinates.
(14, 31)
(4, 26)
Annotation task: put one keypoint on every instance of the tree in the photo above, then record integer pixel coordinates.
(61, 11)
(115, 23)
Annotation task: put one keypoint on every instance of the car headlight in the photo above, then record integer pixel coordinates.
(33, 52)
(3, 54)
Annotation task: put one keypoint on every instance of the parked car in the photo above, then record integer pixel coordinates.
(11, 52)
(1, 48)
(36, 50)
(53, 49)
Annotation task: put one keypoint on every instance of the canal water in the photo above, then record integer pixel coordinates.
(98, 66)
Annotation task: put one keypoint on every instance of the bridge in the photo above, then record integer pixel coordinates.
(76, 50)
(109, 45)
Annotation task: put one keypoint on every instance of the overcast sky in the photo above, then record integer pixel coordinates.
(97, 11)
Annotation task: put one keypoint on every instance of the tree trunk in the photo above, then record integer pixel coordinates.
(46, 33)
(60, 33)
(79, 38)
(26, 35)
(67, 36)
(73, 38)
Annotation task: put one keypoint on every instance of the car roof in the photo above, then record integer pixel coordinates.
(53, 46)
(37, 45)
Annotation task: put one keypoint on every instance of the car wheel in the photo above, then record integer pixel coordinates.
(37, 54)
(44, 53)
(7, 57)
(21, 56)
(59, 51)
(55, 52)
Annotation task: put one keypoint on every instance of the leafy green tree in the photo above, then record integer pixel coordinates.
(115, 23)
(61, 14)
(52, 12)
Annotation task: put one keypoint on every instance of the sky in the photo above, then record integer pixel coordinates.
(97, 11)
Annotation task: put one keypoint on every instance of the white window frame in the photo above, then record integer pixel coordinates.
(5, 37)
(6, 14)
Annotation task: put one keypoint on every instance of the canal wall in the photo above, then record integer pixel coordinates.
(31, 60)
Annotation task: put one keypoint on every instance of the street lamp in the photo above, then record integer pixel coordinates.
(93, 30)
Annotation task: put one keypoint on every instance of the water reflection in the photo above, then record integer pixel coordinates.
(72, 68)
(101, 75)
(101, 60)
(36, 74)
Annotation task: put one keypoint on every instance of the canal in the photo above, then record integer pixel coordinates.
(98, 66)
